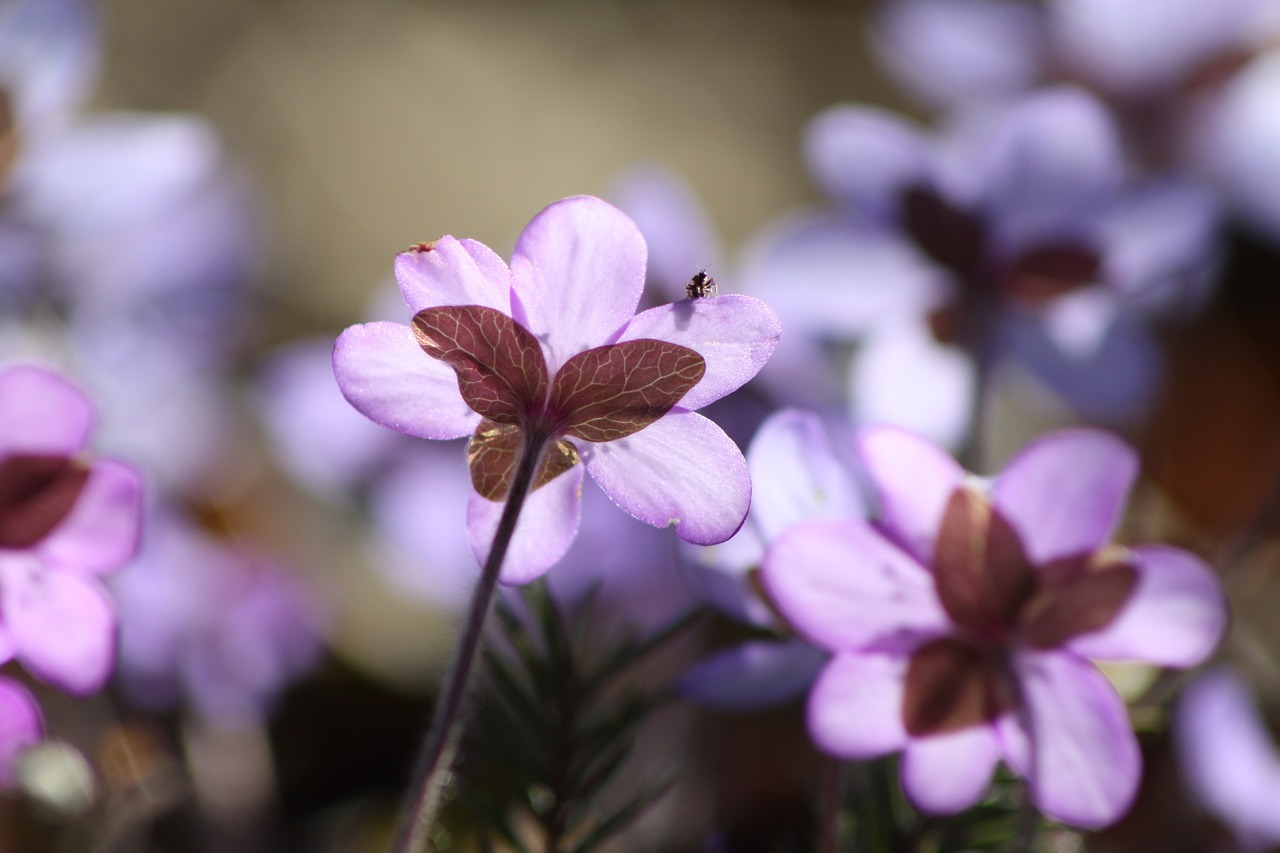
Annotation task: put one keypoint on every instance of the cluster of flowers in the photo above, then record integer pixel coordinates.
(950, 617)
(127, 243)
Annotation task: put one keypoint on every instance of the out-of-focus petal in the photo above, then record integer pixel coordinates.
(947, 773)
(681, 470)
(844, 586)
(1245, 143)
(797, 476)
(116, 168)
(1064, 493)
(578, 271)
(1105, 366)
(19, 726)
(1084, 765)
(855, 707)
(43, 413)
(867, 157)
(1135, 47)
(49, 56)
(449, 271)
(1175, 616)
(827, 277)
(102, 530)
(62, 625)
(734, 334)
(389, 379)
(902, 376)
(1051, 160)
(679, 232)
(1228, 759)
(754, 676)
(1161, 243)
(315, 433)
(717, 574)
(419, 510)
(547, 527)
(914, 479)
(950, 51)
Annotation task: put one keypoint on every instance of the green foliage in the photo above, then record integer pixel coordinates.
(555, 722)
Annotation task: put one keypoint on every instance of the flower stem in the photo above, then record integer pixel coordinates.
(435, 757)
(830, 797)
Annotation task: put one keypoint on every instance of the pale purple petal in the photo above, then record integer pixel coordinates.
(734, 334)
(102, 530)
(453, 272)
(547, 527)
(947, 773)
(1065, 493)
(717, 574)
(1175, 616)
(1229, 761)
(1085, 763)
(681, 470)
(389, 379)
(19, 726)
(1135, 47)
(62, 625)
(1161, 244)
(1108, 368)
(1245, 143)
(316, 435)
(754, 676)
(41, 412)
(49, 56)
(958, 50)
(831, 278)
(855, 707)
(681, 237)
(844, 586)
(116, 168)
(1053, 158)
(797, 476)
(578, 271)
(914, 479)
(904, 377)
(419, 511)
(866, 157)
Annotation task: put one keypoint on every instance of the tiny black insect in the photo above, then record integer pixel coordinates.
(700, 286)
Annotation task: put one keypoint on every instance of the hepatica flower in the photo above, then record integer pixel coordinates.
(63, 522)
(549, 356)
(962, 624)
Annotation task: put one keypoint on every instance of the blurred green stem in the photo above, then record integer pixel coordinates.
(435, 757)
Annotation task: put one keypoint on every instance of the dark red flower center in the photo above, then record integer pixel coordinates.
(997, 600)
(959, 241)
(601, 394)
(36, 493)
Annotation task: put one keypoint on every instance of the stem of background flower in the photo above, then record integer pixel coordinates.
(978, 343)
(830, 800)
(435, 757)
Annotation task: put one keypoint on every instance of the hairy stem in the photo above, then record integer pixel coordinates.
(435, 757)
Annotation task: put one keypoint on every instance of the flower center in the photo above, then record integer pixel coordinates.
(601, 394)
(998, 601)
(36, 493)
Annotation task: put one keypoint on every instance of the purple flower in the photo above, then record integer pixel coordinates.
(225, 628)
(1229, 762)
(551, 352)
(63, 523)
(1011, 234)
(963, 621)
